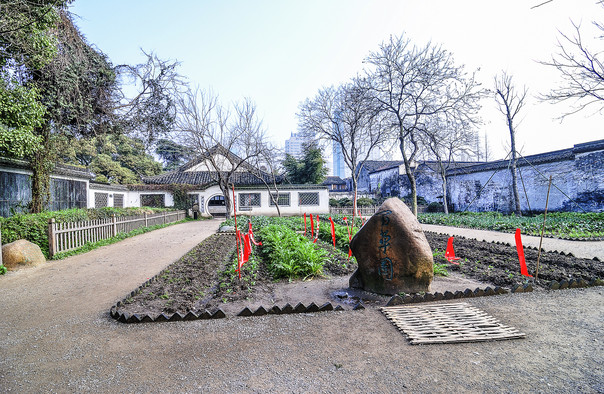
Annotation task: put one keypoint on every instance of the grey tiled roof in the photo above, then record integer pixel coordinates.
(59, 169)
(548, 157)
(208, 178)
(333, 180)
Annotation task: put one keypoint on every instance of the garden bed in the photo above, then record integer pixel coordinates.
(204, 279)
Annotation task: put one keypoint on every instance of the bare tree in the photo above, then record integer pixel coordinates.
(347, 116)
(448, 140)
(510, 102)
(146, 104)
(413, 84)
(227, 141)
(267, 168)
(581, 70)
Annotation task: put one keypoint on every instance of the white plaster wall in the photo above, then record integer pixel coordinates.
(294, 209)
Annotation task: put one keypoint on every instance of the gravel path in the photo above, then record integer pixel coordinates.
(56, 336)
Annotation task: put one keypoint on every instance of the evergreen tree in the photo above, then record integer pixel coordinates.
(310, 169)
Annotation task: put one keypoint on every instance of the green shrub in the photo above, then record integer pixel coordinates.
(365, 202)
(34, 227)
(435, 207)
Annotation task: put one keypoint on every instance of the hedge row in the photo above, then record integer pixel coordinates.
(34, 227)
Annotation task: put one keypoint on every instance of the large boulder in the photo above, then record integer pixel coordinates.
(392, 252)
(22, 253)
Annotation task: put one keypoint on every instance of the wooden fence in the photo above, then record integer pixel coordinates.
(366, 211)
(63, 237)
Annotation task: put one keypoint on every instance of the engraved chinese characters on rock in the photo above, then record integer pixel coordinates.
(385, 268)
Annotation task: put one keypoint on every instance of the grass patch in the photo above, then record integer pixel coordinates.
(567, 225)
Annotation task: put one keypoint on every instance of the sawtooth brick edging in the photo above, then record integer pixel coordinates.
(125, 317)
(447, 295)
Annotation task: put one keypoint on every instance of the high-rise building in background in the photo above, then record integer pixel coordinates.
(339, 166)
(295, 144)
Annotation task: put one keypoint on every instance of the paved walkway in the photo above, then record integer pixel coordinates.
(56, 336)
(583, 249)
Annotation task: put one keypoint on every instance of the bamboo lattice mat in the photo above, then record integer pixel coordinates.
(447, 323)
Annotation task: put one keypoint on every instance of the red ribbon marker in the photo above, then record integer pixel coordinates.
(317, 237)
(349, 237)
(252, 236)
(247, 249)
(312, 227)
(450, 252)
(333, 232)
(237, 234)
(305, 224)
(520, 250)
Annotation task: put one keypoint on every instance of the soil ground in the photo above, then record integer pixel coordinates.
(57, 336)
(195, 283)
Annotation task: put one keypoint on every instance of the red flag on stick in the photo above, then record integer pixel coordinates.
(450, 252)
(247, 249)
(333, 232)
(349, 237)
(251, 233)
(237, 234)
(520, 250)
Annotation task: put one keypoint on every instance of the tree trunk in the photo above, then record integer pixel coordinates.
(226, 192)
(443, 176)
(42, 165)
(517, 209)
(354, 199)
(410, 176)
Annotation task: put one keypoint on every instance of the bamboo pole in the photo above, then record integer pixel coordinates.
(543, 227)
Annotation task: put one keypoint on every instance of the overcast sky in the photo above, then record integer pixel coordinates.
(281, 52)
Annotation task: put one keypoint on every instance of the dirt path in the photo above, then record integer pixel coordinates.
(583, 249)
(56, 336)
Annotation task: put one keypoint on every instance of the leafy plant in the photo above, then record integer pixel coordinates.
(3, 269)
(440, 269)
(289, 254)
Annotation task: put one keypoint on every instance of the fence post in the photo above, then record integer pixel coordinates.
(0, 244)
(52, 247)
(164, 217)
(114, 226)
(146, 225)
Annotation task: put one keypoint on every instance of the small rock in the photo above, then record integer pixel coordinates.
(22, 253)
(395, 300)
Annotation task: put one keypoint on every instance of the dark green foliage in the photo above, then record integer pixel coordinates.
(311, 169)
(34, 227)
(172, 154)
(434, 207)
(113, 158)
(365, 202)
(20, 114)
(408, 199)
(181, 196)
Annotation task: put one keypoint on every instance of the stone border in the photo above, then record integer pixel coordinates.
(574, 284)
(125, 317)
